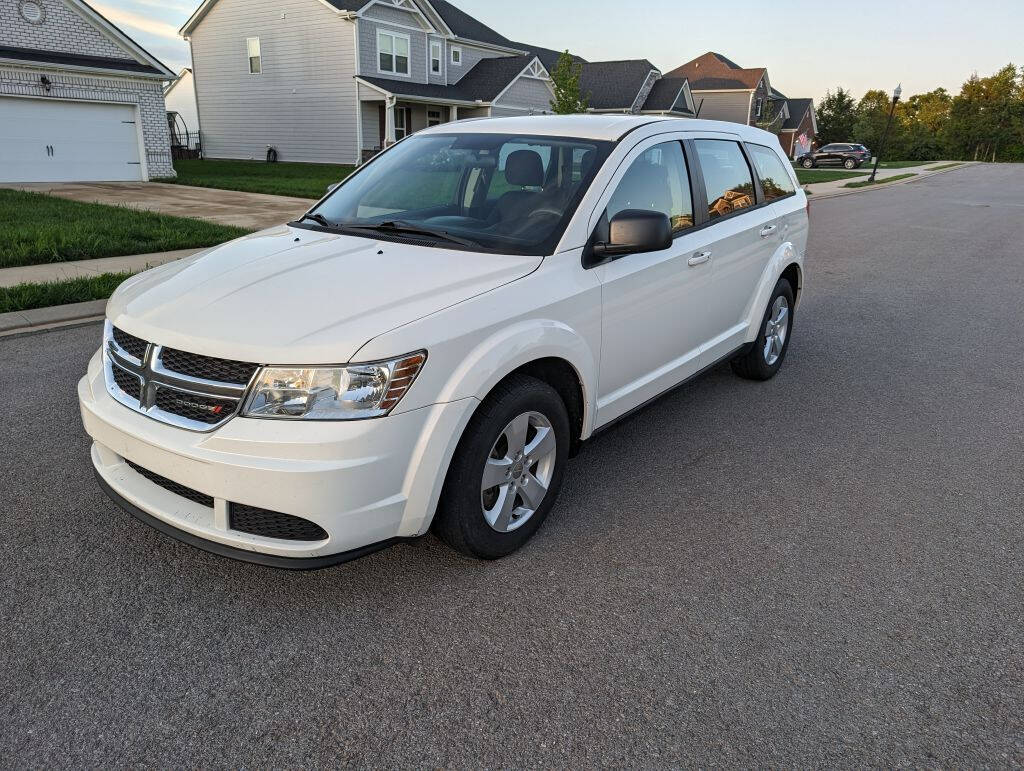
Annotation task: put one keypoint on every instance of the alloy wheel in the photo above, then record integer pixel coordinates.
(518, 472)
(775, 330)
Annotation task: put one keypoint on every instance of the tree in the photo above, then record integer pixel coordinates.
(872, 116)
(835, 116)
(986, 119)
(565, 81)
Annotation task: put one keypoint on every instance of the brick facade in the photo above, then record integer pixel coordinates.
(63, 30)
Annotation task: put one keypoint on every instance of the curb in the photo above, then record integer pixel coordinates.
(916, 178)
(37, 319)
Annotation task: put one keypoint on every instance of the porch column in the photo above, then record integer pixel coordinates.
(455, 112)
(389, 121)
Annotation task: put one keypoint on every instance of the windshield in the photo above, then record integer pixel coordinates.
(488, 192)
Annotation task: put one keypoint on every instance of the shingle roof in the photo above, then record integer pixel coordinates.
(547, 56)
(465, 26)
(614, 85)
(484, 82)
(664, 94)
(712, 71)
(78, 60)
(797, 110)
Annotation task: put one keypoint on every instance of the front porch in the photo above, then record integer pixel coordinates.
(386, 118)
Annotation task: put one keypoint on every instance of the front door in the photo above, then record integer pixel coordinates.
(654, 305)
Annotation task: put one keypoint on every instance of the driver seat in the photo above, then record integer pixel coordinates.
(526, 169)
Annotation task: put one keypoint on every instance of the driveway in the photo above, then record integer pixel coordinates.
(254, 211)
(822, 570)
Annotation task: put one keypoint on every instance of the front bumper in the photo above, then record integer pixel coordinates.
(367, 483)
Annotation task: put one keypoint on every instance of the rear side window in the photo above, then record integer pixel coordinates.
(657, 181)
(727, 179)
(775, 181)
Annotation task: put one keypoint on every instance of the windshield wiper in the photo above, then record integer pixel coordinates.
(399, 226)
(319, 219)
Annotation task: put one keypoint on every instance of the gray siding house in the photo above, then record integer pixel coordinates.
(80, 101)
(337, 80)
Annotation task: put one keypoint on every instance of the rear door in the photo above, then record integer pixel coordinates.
(743, 235)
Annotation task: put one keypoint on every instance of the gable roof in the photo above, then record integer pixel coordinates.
(664, 95)
(465, 26)
(714, 72)
(137, 60)
(548, 57)
(797, 109)
(484, 82)
(614, 85)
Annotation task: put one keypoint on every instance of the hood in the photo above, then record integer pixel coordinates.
(294, 296)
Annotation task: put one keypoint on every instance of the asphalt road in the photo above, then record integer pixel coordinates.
(820, 570)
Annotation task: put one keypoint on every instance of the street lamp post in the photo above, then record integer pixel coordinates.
(892, 111)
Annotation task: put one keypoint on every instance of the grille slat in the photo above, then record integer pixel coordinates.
(207, 367)
(127, 382)
(134, 345)
(173, 487)
(273, 524)
(202, 409)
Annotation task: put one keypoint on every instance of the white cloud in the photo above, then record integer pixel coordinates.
(136, 21)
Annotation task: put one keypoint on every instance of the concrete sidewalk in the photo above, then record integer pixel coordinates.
(61, 271)
(821, 190)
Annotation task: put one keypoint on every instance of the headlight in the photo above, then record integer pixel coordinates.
(333, 393)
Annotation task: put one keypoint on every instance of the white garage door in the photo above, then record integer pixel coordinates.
(53, 140)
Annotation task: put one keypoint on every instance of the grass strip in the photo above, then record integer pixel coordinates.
(811, 176)
(24, 297)
(944, 166)
(867, 183)
(36, 228)
(303, 180)
(903, 164)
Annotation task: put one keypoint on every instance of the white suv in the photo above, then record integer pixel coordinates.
(435, 338)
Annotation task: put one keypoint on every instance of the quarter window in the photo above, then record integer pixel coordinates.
(252, 46)
(657, 181)
(775, 180)
(392, 52)
(727, 179)
(435, 57)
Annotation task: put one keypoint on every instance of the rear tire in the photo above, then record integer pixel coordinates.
(765, 356)
(519, 439)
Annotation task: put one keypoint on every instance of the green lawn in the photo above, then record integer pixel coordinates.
(37, 228)
(902, 164)
(879, 181)
(24, 297)
(303, 180)
(810, 176)
(944, 166)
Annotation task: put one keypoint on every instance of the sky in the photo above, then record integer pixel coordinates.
(808, 47)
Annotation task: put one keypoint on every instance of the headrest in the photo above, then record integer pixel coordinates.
(524, 167)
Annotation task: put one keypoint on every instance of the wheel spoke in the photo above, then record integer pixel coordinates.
(543, 444)
(776, 345)
(516, 434)
(768, 345)
(506, 504)
(532, 492)
(496, 473)
(780, 317)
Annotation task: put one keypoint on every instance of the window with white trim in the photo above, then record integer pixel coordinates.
(435, 57)
(758, 107)
(252, 47)
(434, 116)
(456, 56)
(392, 52)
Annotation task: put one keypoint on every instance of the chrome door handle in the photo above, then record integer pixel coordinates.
(767, 230)
(698, 259)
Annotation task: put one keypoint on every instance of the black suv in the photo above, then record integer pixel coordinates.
(848, 156)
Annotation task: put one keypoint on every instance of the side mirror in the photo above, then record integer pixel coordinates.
(331, 187)
(633, 231)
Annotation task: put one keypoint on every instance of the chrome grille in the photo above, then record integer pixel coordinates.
(183, 389)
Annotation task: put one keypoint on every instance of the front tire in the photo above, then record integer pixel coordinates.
(807, 163)
(507, 470)
(765, 356)
(849, 163)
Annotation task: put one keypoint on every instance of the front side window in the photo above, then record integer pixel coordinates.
(392, 52)
(500, 193)
(657, 181)
(435, 57)
(252, 46)
(775, 180)
(727, 180)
